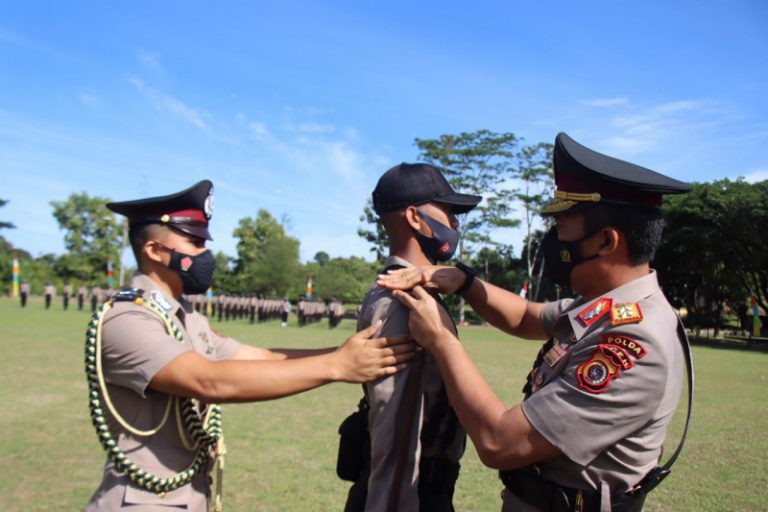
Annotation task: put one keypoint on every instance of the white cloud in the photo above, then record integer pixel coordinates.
(606, 102)
(151, 61)
(756, 175)
(166, 103)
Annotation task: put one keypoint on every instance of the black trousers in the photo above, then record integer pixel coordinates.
(47, 301)
(23, 299)
(80, 300)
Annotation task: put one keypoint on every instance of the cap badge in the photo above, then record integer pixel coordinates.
(208, 205)
(185, 263)
(445, 248)
(565, 255)
(165, 218)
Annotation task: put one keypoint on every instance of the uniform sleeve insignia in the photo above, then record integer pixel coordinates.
(606, 363)
(629, 313)
(596, 311)
(628, 344)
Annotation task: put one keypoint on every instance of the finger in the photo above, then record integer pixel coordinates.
(391, 370)
(420, 293)
(405, 298)
(369, 331)
(401, 358)
(403, 348)
(389, 341)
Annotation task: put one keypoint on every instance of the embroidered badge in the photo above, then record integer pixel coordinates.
(628, 344)
(629, 313)
(159, 299)
(596, 311)
(596, 373)
(618, 356)
(204, 336)
(555, 354)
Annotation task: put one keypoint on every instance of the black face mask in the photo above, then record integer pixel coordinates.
(561, 257)
(196, 272)
(442, 244)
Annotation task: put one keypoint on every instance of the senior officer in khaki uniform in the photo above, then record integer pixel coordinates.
(416, 440)
(608, 380)
(144, 366)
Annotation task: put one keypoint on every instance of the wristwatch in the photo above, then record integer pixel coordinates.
(470, 274)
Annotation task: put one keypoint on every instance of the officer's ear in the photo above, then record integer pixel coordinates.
(611, 239)
(415, 221)
(154, 251)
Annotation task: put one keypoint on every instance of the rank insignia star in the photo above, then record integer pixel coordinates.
(596, 311)
(628, 313)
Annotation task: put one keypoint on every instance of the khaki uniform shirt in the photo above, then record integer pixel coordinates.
(50, 290)
(135, 346)
(82, 292)
(606, 392)
(386, 398)
(24, 288)
(67, 290)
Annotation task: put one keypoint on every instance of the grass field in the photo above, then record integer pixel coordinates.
(282, 454)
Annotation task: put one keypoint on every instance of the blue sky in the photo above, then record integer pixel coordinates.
(298, 107)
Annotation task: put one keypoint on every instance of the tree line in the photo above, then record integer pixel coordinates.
(713, 259)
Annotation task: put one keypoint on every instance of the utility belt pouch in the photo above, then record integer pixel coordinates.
(354, 444)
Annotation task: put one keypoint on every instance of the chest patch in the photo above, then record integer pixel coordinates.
(555, 354)
(596, 311)
(628, 313)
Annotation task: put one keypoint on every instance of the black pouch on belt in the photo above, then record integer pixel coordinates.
(354, 444)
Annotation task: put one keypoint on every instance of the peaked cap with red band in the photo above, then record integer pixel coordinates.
(188, 211)
(584, 177)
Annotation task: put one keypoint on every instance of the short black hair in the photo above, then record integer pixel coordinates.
(641, 225)
(139, 234)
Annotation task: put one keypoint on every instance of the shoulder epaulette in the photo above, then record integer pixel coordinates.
(627, 313)
(128, 294)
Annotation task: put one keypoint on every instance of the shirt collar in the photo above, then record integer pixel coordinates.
(397, 260)
(152, 291)
(633, 291)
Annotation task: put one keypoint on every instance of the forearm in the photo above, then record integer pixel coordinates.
(244, 380)
(503, 438)
(251, 353)
(505, 310)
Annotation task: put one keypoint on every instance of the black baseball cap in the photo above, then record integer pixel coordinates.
(188, 211)
(414, 184)
(585, 177)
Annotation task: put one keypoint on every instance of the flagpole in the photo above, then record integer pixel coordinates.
(15, 271)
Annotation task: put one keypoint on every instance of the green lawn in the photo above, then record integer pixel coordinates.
(282, 454)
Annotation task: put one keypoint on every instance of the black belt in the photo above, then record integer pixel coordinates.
(548, 496)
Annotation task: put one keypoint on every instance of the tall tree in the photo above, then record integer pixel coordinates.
(267, 258)
(5, 225)
(713, 253)
(92, 235)
(374, 233)
(534, 173)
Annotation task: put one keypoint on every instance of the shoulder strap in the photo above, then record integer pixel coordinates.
(656, 475)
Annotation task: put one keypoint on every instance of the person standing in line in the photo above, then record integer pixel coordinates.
(81, 293)
(50, 292)
(24, 292)
(66, 293)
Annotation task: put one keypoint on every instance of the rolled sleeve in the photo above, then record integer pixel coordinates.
(135, 346)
